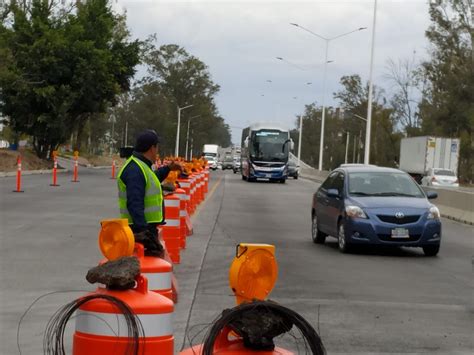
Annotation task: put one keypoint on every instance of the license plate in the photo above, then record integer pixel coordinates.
(400, 233)
(268, 175)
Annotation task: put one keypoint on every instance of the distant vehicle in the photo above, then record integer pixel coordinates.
(213, 163)
(372, 205)
(210, 153)
(419, 154)
(236, 165)
(440, 177)
(228, 161)
(293, 169)
(264, 152)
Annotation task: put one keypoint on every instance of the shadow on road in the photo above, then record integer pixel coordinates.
(378, 250)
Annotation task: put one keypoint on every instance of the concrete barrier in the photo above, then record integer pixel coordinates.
(454, 204)
(313, 174)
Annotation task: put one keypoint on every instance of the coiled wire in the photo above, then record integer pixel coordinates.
(310, 337)
(53, 341)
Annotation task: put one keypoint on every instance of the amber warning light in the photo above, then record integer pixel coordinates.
(116, 238)
(253, 272)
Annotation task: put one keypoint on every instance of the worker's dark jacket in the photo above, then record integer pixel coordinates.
(133, 178)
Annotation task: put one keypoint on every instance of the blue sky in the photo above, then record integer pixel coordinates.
(240, 40)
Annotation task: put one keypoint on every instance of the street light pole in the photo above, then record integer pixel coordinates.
(327, 40)
(323, 119)
(347, 147)
(369, 104)
(176, 151)
(299, 139)
(187, 135)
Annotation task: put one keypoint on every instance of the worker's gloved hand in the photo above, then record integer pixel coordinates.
(151, 243)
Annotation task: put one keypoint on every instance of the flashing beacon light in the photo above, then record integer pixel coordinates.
(116, 238)
(253, 272)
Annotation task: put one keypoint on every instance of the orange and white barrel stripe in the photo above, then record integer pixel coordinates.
(171, 230)
(102, 330)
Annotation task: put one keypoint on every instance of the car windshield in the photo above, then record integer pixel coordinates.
(383, 184)
(444, 172)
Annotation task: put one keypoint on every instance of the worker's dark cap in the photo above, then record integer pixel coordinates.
(146, 140)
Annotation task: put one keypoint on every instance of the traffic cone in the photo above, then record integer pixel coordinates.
(18, 175)
(113, 169)
(55, 173)
(76, 170)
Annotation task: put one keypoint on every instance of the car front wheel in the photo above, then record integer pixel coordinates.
(317, 236)
(431, 250)
(344, 247)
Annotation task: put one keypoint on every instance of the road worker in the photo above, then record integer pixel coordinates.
(140, 193)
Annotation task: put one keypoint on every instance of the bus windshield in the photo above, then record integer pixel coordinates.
(269, 145)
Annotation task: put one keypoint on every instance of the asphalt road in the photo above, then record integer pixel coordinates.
(374, 301)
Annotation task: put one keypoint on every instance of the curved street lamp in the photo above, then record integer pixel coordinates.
(323, 120)
(176, 150)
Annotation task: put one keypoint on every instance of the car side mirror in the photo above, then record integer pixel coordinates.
(431, 195)
(334, 193)
(292, 145)
(246, 142)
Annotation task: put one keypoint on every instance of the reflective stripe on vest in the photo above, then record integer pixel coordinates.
(158, 280)
(153, 199)
(115, 325)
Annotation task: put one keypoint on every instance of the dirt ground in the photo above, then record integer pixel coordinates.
(104, 160)
(29, 161)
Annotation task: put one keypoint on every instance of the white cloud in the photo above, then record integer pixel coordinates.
(240, 40)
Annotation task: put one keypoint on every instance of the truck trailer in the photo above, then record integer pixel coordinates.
(419, 154)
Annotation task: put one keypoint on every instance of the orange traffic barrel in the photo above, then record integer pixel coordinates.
(194, 202)
(101, 329)
(206, 180)
(171, 229)
(158, 271)
(223, 345)
(185, 184)
(200, 185)
(183, 213)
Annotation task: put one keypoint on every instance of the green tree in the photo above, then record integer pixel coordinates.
(63, 67)
(447, 107)
(353, 98)
(176, 78)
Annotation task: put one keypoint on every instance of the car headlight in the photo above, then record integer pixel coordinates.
(355, 212)
(433, 213)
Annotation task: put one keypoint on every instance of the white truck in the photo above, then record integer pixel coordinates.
(210, 152)
(419, 155)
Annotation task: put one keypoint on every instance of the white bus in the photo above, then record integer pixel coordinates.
(264, 152)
